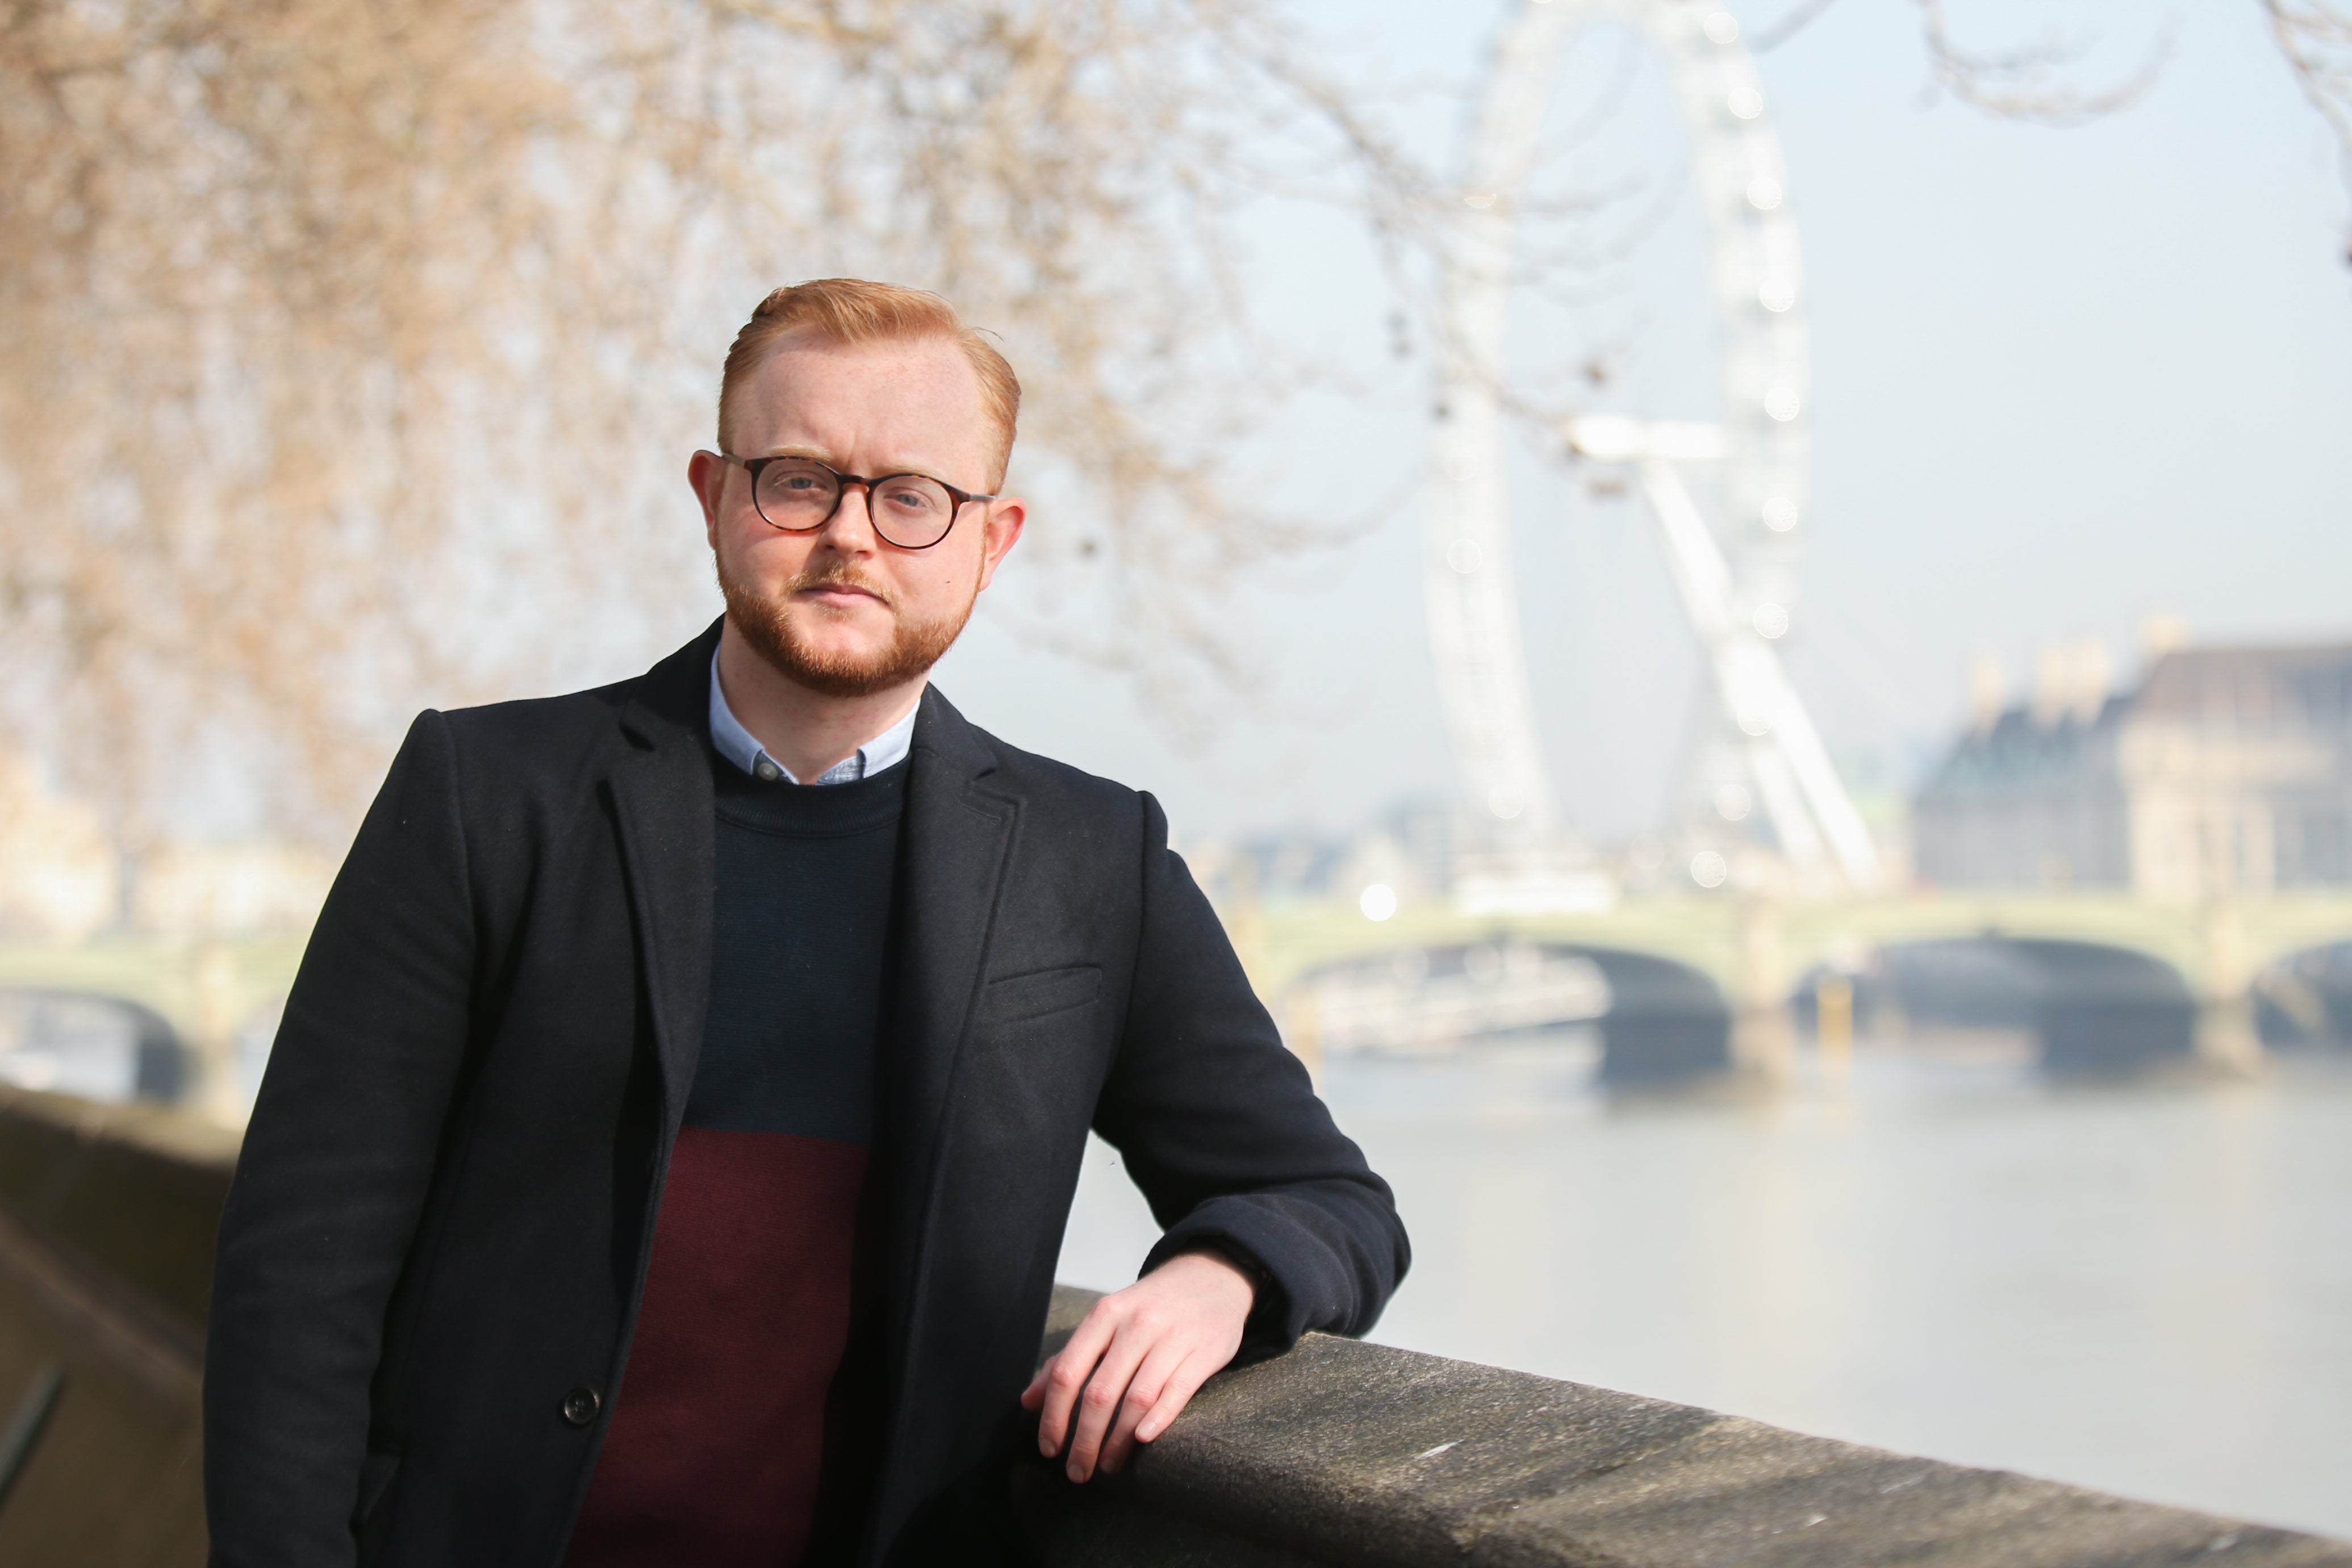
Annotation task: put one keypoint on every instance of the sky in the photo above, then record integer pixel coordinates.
(2063, 378)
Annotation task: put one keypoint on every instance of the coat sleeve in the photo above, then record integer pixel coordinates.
(1220, 1126)
(334, 1173)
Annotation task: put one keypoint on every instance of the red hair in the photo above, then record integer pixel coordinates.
(852, 310)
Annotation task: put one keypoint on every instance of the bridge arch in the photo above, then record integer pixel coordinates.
(90, 1043)
(1658, 1020)
(2088, 1008)
(2304, 1000)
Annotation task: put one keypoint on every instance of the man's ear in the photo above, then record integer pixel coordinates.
(707, 472)
(1001, 529)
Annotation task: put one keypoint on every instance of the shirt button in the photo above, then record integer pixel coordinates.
(580, 1406)
(768, 771)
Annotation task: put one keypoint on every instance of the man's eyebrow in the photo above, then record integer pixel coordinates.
(896, 466)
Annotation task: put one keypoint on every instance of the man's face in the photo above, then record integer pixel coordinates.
(840, 609)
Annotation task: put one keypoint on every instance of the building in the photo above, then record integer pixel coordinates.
(63, 880)
(1409, 849)
(58, 877)
(2226, 769)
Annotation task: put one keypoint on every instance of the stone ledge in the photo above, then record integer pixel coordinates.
(130, 1195)
(1342, 1452)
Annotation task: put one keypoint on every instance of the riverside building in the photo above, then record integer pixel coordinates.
(2227, 770)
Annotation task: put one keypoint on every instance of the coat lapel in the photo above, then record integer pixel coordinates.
(662, 807)
(957, 836)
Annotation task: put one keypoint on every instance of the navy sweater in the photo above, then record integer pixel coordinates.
(742, 1431)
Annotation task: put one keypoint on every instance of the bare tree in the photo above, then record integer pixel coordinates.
(348, 351)
(2026, 81)
(2316, 37)
(2030, 82)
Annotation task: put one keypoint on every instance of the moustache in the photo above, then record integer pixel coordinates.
(840, 576)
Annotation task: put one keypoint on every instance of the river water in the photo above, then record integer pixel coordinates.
(2143, 1289)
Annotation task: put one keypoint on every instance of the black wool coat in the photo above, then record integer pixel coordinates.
(432, 1255)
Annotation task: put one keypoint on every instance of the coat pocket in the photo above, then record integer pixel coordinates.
(1018, 997)
(375, 1479)
(374, 1513)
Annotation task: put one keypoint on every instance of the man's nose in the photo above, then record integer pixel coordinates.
(850, 529)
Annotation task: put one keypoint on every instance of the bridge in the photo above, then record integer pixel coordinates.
(1757, 964)
(1764, 957)
(211, 996)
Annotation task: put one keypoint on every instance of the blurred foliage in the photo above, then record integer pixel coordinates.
(336, 337)
(2315, 36)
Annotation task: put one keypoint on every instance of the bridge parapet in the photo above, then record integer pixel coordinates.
(1762, 946)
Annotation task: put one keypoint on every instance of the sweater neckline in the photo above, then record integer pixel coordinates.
(807, 810)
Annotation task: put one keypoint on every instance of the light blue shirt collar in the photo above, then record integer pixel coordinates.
(738, 745)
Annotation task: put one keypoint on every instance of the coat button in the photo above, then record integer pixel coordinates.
(580, 1406)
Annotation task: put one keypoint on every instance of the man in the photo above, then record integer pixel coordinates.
(666, 1152)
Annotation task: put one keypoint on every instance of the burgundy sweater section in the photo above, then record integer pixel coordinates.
(743, 1429)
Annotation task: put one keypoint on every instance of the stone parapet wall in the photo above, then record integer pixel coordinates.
(107, 1216)
(1345, 1453)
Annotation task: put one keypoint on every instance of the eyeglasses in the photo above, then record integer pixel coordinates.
(800, 495)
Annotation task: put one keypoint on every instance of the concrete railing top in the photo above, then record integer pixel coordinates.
(129, 1195)
(1342, 1452)
(159, 1130)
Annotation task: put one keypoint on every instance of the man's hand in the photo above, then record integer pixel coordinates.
(1138, 1359)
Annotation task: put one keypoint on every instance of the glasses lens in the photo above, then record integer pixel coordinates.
(911, 511)
(796, 494)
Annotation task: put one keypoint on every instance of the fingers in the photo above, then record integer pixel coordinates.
(1137, 1360)
(1177, 1393)
(1059, 1381)
(1160, 1366)
(1098, 1405)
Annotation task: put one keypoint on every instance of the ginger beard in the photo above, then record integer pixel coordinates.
(772, 627)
